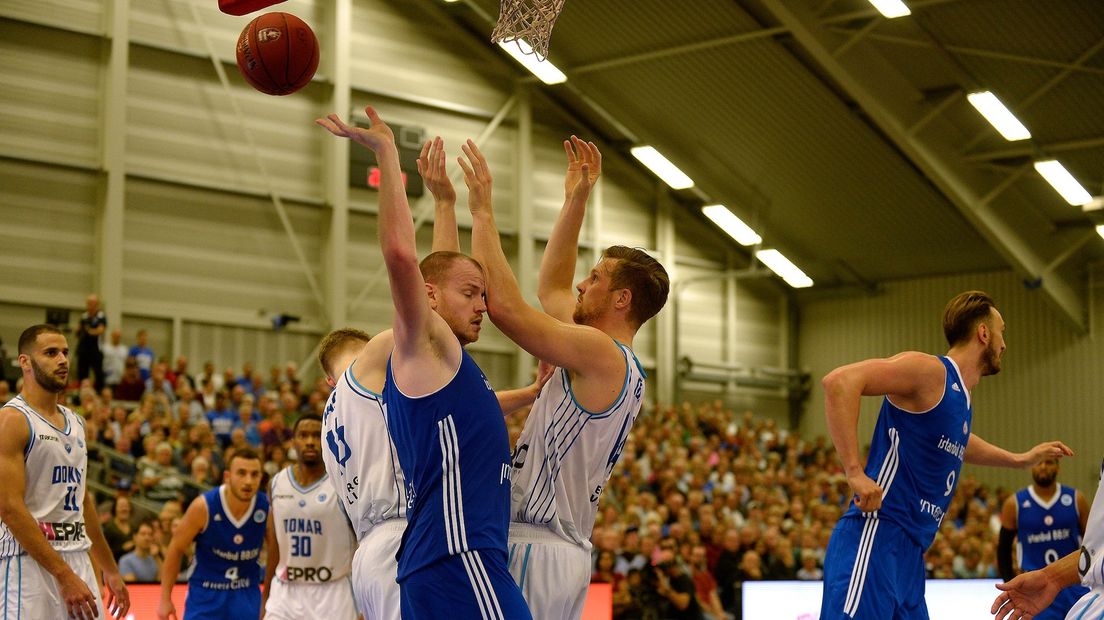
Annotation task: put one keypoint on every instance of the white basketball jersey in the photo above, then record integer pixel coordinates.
(360, 456)
(1091, 562)
(565, 454)
(54, 462)
(316, 544)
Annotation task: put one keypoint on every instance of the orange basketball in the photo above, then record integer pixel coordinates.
(277, 53)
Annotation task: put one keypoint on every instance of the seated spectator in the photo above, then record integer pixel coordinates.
(603, 572)
(143, 565)
(705, 586)
(159, 383)
(160, 479)
(221, 418)
(132, 385)
(809, 570)
(675, 588)
(118, 530)
(247, 421)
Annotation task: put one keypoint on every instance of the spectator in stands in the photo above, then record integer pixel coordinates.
(118, 530)
(114, 359)
(221, 418)
(675, 587)
(247, 422)
(132, 385)
(160, 480)
(603, 571)
(275, 459)
(245, 380)
(158, 381)
(180, 373)
(810, 570)
(90, 330)
(275, 378)
(143, 565)
(276, 433)
(142, 354)
(705, 585)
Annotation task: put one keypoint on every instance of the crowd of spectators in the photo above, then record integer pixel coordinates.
(702, 500)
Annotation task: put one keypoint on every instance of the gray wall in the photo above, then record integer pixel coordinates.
(1050, 386)
(204, 255)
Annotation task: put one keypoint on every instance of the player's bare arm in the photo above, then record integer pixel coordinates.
(1083, 509)
(14, 435)
(555, 282)
(117, 601)
(273, 553)
(512, 401)
(595, 361)
(431, 167)
(1031, 593)
(191, 524)
(426, 351)
(912, 380)
(981, 452)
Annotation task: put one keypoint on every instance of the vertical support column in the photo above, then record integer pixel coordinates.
(336, 156)
(666, 322)
(523, 199)
(109, 221)
(177, 339)
(732, 315)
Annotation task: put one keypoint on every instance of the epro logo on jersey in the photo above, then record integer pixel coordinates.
(62, 531)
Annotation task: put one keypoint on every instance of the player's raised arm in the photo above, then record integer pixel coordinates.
(193, 522)
(14, 435)
(555, 283)
(431, 166)
(413, 317)
(576, 347)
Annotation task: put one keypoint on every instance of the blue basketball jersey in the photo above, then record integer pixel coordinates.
(455, 451)
(916, 458)
(227, 550)
(1046, 531)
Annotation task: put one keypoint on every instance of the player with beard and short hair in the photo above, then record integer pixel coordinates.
(310, 543)
(48, 520)
(1048, 520)
(227, 524)
(874, 567)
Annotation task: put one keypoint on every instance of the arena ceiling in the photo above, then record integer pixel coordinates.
(845, 138)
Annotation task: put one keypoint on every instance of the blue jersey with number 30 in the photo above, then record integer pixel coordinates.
(915, 457)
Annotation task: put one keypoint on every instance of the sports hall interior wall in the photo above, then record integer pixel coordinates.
(205, 259)
(1049, 386)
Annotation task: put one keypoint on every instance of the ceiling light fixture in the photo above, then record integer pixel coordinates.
(891, 8)
(999, 116)
(731, 224)
(662, 167)
(782, 267)
(1063, 182)
(543, 69)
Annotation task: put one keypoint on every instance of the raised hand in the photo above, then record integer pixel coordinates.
(477, 177)
(431, 165)
(868, 495)
(378, 136)
(584, 166)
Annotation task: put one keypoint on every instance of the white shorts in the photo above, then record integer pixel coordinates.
(31, 592)
(374, 569)
(313, 601)
(1091, 605)
(553, 574)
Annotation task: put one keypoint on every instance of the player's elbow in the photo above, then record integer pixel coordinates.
(834, 383)
(399, 257)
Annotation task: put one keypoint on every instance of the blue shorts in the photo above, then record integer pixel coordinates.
(474, 584)
(206, 604)
(1062, 603)
(873, 571)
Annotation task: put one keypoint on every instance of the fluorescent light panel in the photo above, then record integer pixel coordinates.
(891, 8)
(543, 69)
(1063, 182)
(662, 168)
(786, 270)
(1100, 230)
(734, 226)
(999, 116)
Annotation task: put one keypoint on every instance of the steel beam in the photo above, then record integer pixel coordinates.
(109, 221)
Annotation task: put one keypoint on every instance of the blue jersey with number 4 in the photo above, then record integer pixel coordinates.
(915, 457)
(227, 549)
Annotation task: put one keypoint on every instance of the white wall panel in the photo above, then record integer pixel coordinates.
(1049, 387)
(49, 102)
(231, 346)
(77, 15)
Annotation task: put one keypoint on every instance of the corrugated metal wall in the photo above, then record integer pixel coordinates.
(1050, 385)
(205, 258)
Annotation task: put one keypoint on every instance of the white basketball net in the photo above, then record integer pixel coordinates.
(528, 22)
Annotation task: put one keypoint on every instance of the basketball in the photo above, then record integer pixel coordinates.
(277, 53)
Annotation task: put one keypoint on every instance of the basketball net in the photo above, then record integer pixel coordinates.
(528, 23)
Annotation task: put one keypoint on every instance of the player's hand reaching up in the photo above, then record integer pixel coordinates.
(584, 166)
(376, 137)
(477, 176)
(868, 495)
(431, 165)
(1046, 450)
(1024, 596)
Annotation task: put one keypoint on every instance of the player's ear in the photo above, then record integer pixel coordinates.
(431, 292)
(623, 299)
(983, 332)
